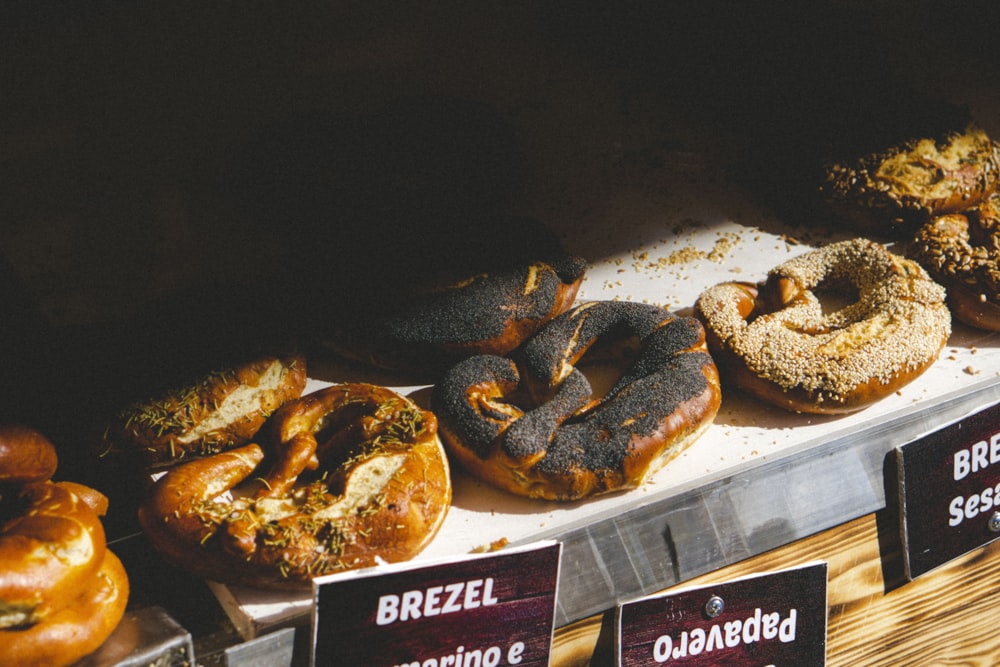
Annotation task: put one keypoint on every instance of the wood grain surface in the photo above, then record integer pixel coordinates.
(944, 618)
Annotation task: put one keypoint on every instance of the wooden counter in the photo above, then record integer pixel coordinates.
(875, 618)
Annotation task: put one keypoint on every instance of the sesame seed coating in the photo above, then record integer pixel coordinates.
(896, 325)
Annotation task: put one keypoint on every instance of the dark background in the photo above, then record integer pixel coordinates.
(181, 181)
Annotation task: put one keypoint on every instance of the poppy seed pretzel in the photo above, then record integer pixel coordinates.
(483, 292)
(565, 444)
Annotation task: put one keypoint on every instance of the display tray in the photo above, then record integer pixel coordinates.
(759, 478)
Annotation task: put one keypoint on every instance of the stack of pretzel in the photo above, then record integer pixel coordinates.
(62, 592)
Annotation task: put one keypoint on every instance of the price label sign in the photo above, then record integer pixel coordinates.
(768, 620)
(949, 489)
(491, 609)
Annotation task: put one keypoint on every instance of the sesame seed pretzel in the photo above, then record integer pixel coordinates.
(356, 474)
(962, 252)
(775, 341)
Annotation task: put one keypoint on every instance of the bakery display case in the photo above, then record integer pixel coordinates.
(185, 189)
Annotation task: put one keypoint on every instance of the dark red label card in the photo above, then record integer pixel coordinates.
(949, 491)
(487, 609)
(776, 619)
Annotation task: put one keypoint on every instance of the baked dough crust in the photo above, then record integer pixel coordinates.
(774, 340)
(221, 410)
(908, 184)
(356, 474)
(533, 428)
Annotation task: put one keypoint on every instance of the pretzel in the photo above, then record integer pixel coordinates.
(77, 629)
(62, 593)
(51, 546)
(25, 455)
(534, 429)
(357, 475)
(774, 340)
(908, 184)
(962, 252)
(218, 411)
(490, 289)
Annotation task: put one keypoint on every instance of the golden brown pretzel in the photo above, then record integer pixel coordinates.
(775, 341)
(91, 497)
(222, 410)
(558, 442)
(358, 475)
(915, 181)
(51, 546)
(912, 182)
(25, 455)
(62, 592)
(77, 629)
(962, 252)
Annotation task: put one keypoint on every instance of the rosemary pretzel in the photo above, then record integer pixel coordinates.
(774, 340)
(356, 475)
(219, 411)
(962, 252)
(533, 428)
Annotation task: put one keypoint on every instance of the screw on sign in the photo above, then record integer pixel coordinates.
(762, 620)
